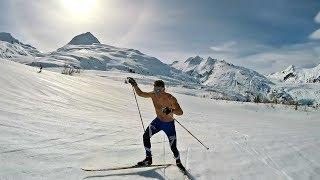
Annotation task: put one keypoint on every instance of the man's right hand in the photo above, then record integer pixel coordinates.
(132, 81)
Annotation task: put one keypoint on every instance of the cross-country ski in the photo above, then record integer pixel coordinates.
(126, 167)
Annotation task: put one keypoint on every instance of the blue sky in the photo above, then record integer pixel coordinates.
(263, 35)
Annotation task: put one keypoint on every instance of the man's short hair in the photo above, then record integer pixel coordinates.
(159, 83)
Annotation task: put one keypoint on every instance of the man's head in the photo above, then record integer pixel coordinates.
(158, 86)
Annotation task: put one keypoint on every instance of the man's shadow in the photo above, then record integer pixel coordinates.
(147, 173)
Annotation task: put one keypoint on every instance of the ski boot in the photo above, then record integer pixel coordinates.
(146, 162)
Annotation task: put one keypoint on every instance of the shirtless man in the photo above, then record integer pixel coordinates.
(165, 106)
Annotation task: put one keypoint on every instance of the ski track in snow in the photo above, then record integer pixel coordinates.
(51, 125)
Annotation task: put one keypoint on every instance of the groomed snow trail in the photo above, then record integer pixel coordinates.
(51, 125)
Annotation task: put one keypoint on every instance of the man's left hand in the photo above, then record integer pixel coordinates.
(167, 110)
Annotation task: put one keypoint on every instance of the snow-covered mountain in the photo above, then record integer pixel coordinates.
(209, 77)
(293, 74)
(303, 84)
(86, 51)
(11, 48)
(84, 39)
(225, 77)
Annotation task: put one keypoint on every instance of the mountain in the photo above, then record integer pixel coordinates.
(7, 37)
(225, 77)
(84, 39)
(293, 74)
(208, 77)
(86, 52)
(11, 48)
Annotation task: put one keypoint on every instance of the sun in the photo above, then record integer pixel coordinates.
(79, 7)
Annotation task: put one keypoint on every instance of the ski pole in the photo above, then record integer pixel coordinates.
(192, 135)
(135, 97)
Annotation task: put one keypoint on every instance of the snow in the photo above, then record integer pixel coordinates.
(51, 125)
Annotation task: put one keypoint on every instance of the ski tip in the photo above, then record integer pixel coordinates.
(89, 169)
(84, 169)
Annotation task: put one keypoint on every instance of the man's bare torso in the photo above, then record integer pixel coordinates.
(161, 101)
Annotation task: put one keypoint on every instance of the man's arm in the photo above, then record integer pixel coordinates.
(141, 93)
(176, 107)
(137, 89)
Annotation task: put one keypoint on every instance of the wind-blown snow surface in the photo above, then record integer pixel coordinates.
(51, 125)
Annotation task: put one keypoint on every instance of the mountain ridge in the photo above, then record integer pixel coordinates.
(223, 75)
(84, 39)
(10, 47)
(292, 74)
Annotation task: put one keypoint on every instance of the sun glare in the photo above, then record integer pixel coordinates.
(79, 7)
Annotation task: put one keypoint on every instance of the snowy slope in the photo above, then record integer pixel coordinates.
(225, 77)
(293, 74)
(11, 48)
(51, 125)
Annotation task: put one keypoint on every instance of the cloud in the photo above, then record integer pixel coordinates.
(304, 55)
(315, 34)
(225, 47)
(317, 18)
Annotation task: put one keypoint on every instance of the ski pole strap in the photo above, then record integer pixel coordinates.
(192, 134)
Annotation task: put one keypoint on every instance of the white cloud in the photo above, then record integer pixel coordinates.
(225, 47)
(317, 18)
(301, 55)
(315, 34)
